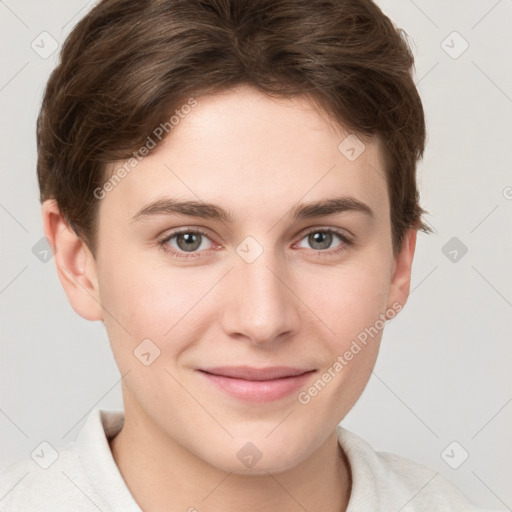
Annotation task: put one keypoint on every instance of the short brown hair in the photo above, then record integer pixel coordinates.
(129, 63)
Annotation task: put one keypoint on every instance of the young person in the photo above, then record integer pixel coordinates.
(230, 188)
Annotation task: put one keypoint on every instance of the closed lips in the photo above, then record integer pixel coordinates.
(257, 374)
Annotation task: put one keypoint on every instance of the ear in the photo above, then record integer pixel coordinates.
(401, 280)
(75, 263)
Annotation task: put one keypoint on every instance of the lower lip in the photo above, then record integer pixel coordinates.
(258, 391)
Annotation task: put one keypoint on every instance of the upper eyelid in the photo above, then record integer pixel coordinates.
(337, 231)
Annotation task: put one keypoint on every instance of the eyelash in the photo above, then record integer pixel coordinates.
(162, 244)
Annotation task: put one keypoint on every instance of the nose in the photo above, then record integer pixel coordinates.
(260, 305)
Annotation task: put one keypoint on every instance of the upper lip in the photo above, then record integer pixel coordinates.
(249, 373)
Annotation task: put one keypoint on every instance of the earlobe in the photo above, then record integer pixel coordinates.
(75, 264)
(401, 279)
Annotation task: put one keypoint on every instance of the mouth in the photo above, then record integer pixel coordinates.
(257, 384)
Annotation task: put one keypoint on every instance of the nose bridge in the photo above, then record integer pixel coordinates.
(261, 307)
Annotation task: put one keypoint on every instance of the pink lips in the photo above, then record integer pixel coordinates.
(257, 385)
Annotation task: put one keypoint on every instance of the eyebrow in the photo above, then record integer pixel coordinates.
(170, 206)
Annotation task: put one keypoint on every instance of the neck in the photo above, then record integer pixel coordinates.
(142, 453)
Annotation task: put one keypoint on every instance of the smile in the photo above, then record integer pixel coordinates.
(257, 385)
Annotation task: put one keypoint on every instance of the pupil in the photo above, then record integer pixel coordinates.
(322, 238)
(192, 241)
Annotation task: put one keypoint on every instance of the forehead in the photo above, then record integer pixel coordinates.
(249, 152)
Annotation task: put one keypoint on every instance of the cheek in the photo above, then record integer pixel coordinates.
(348, 299)
(352, 303)
(145, 302)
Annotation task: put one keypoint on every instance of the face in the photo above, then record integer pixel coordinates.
(259, 280)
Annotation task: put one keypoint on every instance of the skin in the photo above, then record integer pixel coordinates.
(295, 305)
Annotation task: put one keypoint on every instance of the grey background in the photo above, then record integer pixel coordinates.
(444, 368)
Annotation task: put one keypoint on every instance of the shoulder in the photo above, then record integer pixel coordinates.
(386, 481)
(52, 483)
(79, 476)
(424, 488)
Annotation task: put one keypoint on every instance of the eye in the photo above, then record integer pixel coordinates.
(190, 243)
(186, 243)
(322, 239)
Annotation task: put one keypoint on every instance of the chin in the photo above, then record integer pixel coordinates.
(246, 458)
